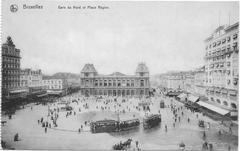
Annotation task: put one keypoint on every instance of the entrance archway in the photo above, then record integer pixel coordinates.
(87, 93)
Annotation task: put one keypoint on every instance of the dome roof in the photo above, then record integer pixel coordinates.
(89, 68)
(142, 68)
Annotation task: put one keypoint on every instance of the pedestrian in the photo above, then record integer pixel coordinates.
(45, 129)
(204, 134)
(229, 148)
(136, 144)
(16, 137)
(188, 120)
(179, 118)
(79, 130)
(174, 125)
(165, 128)
(230, 130)
(210, 147)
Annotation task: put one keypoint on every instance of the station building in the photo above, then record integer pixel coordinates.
(115, 84)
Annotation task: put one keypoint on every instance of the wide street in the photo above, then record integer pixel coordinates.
(66, 136)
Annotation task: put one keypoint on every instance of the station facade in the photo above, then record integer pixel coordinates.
(115, 84)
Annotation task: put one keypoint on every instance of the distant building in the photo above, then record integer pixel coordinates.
(199, 81)
(115, 84)
(172, 82)
(221, 64)
(10, 69)
(54, 85)
(189, 80)
(31, 80)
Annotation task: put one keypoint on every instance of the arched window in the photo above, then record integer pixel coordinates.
(128, 92)
(114, 83)
(142, 83)
(109, 82)
(225, 103)
(128, 83)
(233, 105)
(132, 83)
(119, 83)
(105, 82)
(96, 83)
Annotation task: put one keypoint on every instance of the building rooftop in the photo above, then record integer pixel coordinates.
(142, 68)
(117, 74)
(232, 26)
(89, 68)
(223, 27)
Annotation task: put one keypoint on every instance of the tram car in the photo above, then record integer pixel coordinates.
(129, 124)
(108, 126)
(152, 121)
(104, 126)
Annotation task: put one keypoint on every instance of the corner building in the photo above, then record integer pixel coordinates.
(10, 68)
(221, 65)
(115, 84)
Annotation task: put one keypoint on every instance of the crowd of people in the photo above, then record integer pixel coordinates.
(74, 104)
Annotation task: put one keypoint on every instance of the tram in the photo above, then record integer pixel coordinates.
(129, 124)
(113, 125)
(104, 126)
(151, 121)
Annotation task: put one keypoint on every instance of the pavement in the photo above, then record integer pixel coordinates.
(66, 135)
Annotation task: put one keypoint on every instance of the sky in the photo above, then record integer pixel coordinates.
(167, 36)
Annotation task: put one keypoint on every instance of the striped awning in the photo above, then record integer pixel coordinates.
(18, 91)
(182, 96)
(42, 95)
(213, 108)
(193, 98)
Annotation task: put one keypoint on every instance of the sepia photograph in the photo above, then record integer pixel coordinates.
(119, 75)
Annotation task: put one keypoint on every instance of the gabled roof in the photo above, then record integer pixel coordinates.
(116, 74)
(142, 68)
(89, 68)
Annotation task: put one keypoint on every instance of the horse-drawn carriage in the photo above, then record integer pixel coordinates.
(122, 146)
(66, 108)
